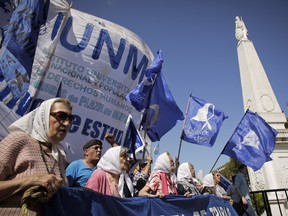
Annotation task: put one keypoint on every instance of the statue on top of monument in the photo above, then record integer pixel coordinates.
(241, 32)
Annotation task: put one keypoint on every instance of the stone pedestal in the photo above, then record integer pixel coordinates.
(259, 97)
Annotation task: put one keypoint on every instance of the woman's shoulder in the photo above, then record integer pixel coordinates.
(97, 177)
(14, 143)
(16, 137)
(98, 173)
(155, 175)
(19, 134)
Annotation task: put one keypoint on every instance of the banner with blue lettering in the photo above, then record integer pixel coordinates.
(92, 62)
(83, 201)
(17, 50)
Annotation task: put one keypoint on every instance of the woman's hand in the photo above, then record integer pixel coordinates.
(188, 195)
(49, 181)
(10, 187)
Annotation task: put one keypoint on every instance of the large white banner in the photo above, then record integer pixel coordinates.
(92, 62)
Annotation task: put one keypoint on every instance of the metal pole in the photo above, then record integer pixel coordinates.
(180, 144)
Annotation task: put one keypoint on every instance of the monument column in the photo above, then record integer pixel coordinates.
(259, 97)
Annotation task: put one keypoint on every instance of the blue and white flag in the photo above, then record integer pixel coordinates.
(252, 142)
(203, 122)
(17, 53)
(139, 96)
(162, 113)
(133, 140)
(224, 182)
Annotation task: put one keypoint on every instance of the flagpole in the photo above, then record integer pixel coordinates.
(180, 144)
(228, 141)
(145, 126)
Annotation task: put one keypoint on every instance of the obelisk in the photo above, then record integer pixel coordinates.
(259, 97)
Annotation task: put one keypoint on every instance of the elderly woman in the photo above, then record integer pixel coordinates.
(211, 185)
(186, 183)
(160, 182)
(30, 157)
(111, 176)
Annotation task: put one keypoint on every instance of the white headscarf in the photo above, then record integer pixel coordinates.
(110, 162)
(184, 172)
(162, 164)
(36, 124)
(208, 181)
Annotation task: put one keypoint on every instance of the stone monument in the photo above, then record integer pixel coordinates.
(259, 97)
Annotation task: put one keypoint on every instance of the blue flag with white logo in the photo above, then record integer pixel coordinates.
(162, 112)
(203, 122)
(252, 142)
(133, 140)
(139, 96)
(17, 53)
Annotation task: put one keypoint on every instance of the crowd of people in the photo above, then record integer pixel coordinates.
(33, 166)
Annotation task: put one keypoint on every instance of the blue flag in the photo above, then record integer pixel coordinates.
(139, 96)
(203, 122)
(133, 140)
(252, 142)
(162, 112)
(17, 53)
(224, 182)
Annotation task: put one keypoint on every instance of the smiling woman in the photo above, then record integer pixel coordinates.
(32, 166)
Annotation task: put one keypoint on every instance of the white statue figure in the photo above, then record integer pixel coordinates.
(241, 32)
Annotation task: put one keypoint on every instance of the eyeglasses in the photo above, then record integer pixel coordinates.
(62, 116)
(97, 148)
(125, 156)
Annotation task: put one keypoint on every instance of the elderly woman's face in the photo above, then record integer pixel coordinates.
(60, 120)
(192, 170)
(217, 178)
(171, 161)
(124, 162)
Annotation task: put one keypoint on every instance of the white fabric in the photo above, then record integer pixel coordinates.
(196, 182)
(162, 164)
(208, 181)
(110, 162)
(184, 172)
(220, 191)
(36, 124)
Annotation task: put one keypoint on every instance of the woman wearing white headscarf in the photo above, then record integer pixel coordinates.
(208, 184)
(160, 183)
(211, 185)
(185, 180)
(30, 157)
(111, 177)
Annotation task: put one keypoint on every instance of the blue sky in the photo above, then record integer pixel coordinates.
(200, 55)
